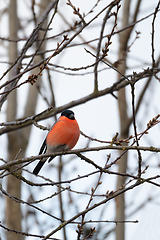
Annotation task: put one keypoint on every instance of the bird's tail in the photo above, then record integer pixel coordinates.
(38, 167)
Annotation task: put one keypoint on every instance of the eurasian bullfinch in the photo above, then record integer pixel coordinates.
(63, 136)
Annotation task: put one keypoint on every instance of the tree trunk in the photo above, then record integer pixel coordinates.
(18, 139)
(124, 128)
(13, 209)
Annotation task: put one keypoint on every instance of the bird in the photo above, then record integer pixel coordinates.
(63, 136)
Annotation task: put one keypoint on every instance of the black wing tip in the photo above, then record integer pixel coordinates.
(38, 167)
(35, 171)
(43, 148)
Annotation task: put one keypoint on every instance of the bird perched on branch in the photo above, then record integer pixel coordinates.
(63, 136)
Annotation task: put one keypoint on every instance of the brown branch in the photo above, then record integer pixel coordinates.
(153, 33)
(17, 65)
(77, 151)
(12, 126)
(24, 233)
(113, 195)
(108, 42)
(32, 39)
(27, 203)
(76, 11)
(135, 131)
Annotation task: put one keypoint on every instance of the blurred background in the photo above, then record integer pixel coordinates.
(83, 56)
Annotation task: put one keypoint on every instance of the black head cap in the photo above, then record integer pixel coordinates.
(69, 114)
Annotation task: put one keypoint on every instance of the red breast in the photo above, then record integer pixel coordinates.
(65, 131)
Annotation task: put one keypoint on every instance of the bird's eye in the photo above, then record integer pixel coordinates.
(71, 116)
